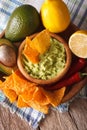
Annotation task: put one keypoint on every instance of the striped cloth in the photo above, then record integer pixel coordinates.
(77, 8)
(78, 12)
(7, 7)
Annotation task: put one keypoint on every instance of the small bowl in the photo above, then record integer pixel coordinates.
(57, 77)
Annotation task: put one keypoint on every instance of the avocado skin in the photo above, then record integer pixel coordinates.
(6, 70)
(6, 41)
(24, 21)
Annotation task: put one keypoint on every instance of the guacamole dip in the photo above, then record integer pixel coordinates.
(51, 62)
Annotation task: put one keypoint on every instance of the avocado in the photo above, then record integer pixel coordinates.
(24, 21)
(6, 41)
(6, 70)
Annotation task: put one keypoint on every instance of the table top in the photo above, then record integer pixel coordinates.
(74, 119)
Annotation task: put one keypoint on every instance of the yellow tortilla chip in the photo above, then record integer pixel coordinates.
(27, 95)
(55, 97)
(21, 103)
(30, 53)
(39, 97)
(41, 42)
(37, 106)
(8, 88)
(38, 45)
(1, 82)
(20, 83)
(12, 96)
(8, 83)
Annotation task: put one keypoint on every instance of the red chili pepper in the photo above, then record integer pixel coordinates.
(68, 82)
(75, 67)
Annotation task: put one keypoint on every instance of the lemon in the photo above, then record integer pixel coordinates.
(55, 15)
(23, 21)
(78, 43)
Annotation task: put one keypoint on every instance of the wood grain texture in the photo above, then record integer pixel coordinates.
(78, 112)
(74, 119)
(9, 121)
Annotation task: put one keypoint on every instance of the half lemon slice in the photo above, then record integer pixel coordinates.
(78, 43)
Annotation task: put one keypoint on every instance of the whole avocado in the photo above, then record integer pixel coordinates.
(23, 22)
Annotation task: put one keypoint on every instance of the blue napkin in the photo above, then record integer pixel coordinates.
(33, 117)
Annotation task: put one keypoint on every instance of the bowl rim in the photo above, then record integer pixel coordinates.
(56, 78)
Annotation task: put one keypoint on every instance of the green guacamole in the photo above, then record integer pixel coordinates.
(51, 62)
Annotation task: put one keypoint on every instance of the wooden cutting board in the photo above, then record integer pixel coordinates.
(76, 87)
(73, 90)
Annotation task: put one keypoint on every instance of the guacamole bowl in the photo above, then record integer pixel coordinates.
(53, 64)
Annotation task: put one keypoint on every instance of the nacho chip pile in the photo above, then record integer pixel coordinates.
(27, 94)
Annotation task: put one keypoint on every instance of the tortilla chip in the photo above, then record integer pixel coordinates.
(54, 97)
(39, 97)
(30, 53)
(8, 83)
(41, 42)
(21, 103)
(12, 96)
(42, 108)
(27, 95)
(1, 84)
(21, 84)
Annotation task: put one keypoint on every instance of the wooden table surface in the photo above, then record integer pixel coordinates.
(74, 119)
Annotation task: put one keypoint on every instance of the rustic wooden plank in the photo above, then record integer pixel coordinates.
(9, 121)
(17, 124)
(75, 119)
(78, 112)
(58, 121)
(4, 118)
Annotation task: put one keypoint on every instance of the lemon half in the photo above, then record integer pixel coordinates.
(78, 43)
